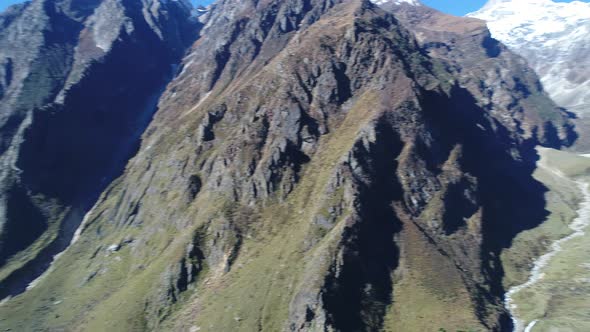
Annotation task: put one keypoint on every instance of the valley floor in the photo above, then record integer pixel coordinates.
(555, 295)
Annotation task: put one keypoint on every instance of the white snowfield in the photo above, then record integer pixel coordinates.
(555, 39)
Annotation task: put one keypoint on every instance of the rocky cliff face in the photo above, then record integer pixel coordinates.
(554, 38)
(79, 81)
(315, 166)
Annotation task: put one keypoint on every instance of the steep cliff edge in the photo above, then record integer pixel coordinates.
(79, 84)
(315, 165)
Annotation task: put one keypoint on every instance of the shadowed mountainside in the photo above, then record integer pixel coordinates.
(81, 82)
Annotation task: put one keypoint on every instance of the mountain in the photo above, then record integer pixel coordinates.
(554, 37)
(313, 165)
(79, 81)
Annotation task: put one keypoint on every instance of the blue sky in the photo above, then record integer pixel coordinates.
(6, 3)
(462, 7)
(455, 7)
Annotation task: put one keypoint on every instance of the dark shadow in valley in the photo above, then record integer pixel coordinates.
(357, 296)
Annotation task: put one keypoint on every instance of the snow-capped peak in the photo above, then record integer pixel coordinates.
(553, 37)
(397, 2)
(543, 15)
(493, 3)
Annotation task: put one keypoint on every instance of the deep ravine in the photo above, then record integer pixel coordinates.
(72, 110)
(26, 276)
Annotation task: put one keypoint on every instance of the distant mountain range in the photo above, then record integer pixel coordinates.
(554, 38)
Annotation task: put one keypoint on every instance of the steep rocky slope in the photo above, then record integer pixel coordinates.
(554, 38)
(315, 165)
(78, 84)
